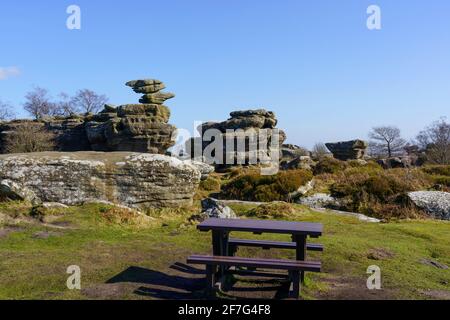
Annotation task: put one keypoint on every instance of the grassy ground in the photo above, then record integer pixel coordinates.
(144, 259)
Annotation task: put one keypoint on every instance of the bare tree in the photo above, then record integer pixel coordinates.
(386, 141)
(5, 111)
(38, 103)
(65, 106)
(319, 151)
(435, 140)
(88, 101)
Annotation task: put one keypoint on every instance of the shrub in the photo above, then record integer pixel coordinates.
(329, 165)
(29, 137)
(210, 184)
(442, 180)
(440, 174)
(254, 187)
(272, 210)
(437, 170)
(378, 192)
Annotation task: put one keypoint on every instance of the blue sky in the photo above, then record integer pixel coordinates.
(314, 63)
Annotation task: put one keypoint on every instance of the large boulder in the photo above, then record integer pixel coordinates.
(135, 180)
(348, 150)
(435, 203)
(246, 138)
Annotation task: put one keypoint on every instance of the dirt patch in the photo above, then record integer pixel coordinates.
(436, 294)
(380, 254)
(351, 288)
(254, 287)
(108, 291)
(4, 232)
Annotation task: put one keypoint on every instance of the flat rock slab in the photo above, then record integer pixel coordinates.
(136, 180)
(434, 263)
(45, 234)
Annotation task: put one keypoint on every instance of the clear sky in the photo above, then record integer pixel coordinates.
(313, 62)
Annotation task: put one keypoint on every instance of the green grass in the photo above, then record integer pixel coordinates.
(32, 268)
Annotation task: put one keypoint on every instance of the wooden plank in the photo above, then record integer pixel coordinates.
(312, 266)
(262, 226)
(272, 244)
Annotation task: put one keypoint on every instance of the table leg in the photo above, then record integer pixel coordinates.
(220, 247)
(300, 251)
(216, 242)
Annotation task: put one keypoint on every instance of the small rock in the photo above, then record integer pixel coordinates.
(319, 200)
(54, 205)
(434, 263)
(44, 235)
(213, 208)
(15, 191)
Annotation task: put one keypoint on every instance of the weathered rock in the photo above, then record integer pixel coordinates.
(303, 162)
(134, 180)
(320, 200)
(435, 203)
(246, 138)
(348, 150)
(54, 205)
(291, 152)
(213, 208)
(434, 263)
(204, 168)
(401, 162)
(157, 98)
(146, 85)
(14, 191)
(131, 127)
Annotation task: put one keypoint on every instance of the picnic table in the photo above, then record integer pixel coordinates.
(224, 248)
(221, 229)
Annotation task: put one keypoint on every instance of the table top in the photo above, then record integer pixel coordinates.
(262, 226)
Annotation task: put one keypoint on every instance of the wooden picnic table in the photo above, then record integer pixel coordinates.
(221, 229)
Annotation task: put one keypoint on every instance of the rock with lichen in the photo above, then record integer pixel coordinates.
(135, 180)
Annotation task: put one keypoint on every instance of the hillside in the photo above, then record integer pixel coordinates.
(125, 256)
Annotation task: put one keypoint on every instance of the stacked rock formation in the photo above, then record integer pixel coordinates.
(139, 127)
(250, 127)
(134, 127)
(348, 150)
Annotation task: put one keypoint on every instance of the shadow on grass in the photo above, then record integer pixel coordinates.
(187, 282)
(160, 285)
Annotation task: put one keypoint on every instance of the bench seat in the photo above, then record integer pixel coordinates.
(278, 264)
